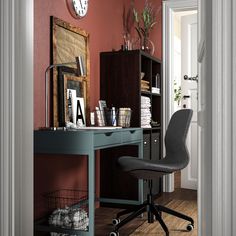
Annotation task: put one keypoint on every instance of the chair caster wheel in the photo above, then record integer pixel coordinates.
(115, 221)
(190, 227)
(114, 234)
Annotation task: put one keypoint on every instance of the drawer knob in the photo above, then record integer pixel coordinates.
(144, 142)
(155, 140)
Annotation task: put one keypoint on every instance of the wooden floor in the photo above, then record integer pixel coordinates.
(105, 215)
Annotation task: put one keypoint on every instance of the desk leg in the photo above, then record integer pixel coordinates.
(91, 191)
(140, 182)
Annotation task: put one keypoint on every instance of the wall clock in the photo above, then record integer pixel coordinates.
(77, 8)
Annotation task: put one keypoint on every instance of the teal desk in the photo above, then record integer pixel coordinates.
(86, 142)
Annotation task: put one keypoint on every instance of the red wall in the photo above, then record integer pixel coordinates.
(104, 25)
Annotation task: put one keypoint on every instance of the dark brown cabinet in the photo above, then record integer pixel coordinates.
(121, 86)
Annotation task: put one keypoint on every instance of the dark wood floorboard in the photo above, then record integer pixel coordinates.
(104, 215)
(177, 178)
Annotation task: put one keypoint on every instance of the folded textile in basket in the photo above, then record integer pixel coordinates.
(73, 218)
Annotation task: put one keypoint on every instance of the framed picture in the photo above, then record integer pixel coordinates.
(72, 97)
(67, 43)
(75, 92)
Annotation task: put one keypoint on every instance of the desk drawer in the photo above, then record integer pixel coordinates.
(107, 138)
(131, 135)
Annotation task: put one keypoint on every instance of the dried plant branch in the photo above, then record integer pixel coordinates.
(146, 20)
(128, 18)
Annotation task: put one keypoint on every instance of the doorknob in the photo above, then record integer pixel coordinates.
(186, 96)
(191, 78)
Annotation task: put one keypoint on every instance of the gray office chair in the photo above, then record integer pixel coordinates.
(177, 158)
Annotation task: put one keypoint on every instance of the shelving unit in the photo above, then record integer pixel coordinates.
(120, 86)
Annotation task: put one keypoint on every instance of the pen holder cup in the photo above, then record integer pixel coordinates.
(124, 118)
(111, 117)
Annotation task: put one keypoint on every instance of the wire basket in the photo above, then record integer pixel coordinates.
(66, 198)
(69, 209)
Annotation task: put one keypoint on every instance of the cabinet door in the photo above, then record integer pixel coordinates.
(146, 156)
(155, 155)
(155, 146)
(146, 146)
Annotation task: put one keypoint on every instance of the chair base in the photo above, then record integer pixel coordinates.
(152, 210)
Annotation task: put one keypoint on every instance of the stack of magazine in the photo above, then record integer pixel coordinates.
(145, 112)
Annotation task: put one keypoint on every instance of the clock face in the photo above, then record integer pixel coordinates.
(80, 7)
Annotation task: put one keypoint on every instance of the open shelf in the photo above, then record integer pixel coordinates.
(120, 86)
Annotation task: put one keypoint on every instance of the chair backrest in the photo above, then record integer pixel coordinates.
(175, 138)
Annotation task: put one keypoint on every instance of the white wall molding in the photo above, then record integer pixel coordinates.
(7, 122)
(222, 118)
(16, 118)
(234, 118)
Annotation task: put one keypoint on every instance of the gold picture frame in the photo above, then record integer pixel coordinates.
(68, 42)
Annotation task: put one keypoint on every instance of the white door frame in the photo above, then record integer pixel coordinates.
(16, 118)
(223, 116)
(169, 7)
(217, 164)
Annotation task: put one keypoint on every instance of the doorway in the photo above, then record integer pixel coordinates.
(180, 93)
(184, 85)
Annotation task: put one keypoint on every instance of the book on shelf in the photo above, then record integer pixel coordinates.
(102, 106)
(99, 120)
(145, 86)
(144, 82)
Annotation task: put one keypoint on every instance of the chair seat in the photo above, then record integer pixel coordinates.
(148, 169)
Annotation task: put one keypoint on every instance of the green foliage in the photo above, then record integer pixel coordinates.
(177, 93)
(146, 19)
